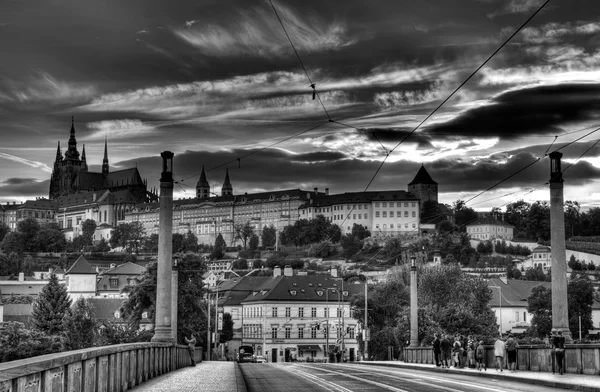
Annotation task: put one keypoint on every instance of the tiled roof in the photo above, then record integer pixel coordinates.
(422, 177)
(105, 308)
(90, 180)
(78, 199)
(359, 197)
(81, 266)
(309, 288)
(489, 220)
(123, 177)
(40, 203)
(117, 197)
(128, 268)
(542, 248)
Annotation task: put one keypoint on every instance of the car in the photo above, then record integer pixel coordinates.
(260, 359)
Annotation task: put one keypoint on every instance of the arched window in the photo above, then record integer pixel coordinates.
(104, 215)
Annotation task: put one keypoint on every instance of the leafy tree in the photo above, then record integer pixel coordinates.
(18, 342)
(13, 242)
(78, 326)
(446, 226)
(101, 247)
(227, 331)
(118, 333)
(306, 232)
(463, 215)
(219, 249)
(28, 228)
(535, 274)
(537, 224)
(580, 294)
(150, 243)
(88, 227)
(393, 247)
(350, 245)
(243, 232)
(128, 236)
(190, 242)
(360, 232)
(253, 244)
(575, 264)
(51, 306)
(240, 264)
(268, 236)
(432, 213)
(191, 309)
(50, 238)
(256, 264)
(516, 214)
(4, 230)
(572, 218)
(177, 241)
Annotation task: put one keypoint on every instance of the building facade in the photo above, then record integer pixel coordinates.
(40, 209)
(488, 228)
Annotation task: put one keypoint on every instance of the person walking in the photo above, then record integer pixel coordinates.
(456, 349)
(480, 356)
(191, 342)
(437, 351)
(559, 346)
(446, 348)
(470, 352)
(553, 349)
(499, 348)
(511, 352)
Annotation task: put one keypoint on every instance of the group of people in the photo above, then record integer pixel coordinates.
(460, 352)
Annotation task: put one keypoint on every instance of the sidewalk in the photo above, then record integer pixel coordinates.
(578, 382)
(211, 376)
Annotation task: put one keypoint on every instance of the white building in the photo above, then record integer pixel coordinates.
(488, 228)
(81, 279)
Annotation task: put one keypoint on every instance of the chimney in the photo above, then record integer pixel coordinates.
(316, 191)
(276, 271)
(112, 265)
(94, 197)
(288, 271)
(327, 191)
(21, 277)
(333, 272)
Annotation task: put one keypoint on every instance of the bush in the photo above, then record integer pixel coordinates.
(321, 249)
(246, 254)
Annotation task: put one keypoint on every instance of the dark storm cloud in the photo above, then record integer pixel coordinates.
(24, 187)
(536, 110)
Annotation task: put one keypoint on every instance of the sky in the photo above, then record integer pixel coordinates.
(214, 81)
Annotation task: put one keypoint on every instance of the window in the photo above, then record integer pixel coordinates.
(414, 204)
(326, 312)
(366, 216)
(384, 226)
(313, 312)
(300, 312)
(69, 223)
(376, 204)
(288, 312)
(414, 225)
(351, 333)
(391, 214)
(398, 204)
(384, 204)
(377, 226)
(273, 332)
(405, 204)
(359, 216)
(360, 206)
(274, 312)
(288, 332)
(414, 214)
(313, 332)
(347, 207)
(385, 214)
(300, 332)
(338, 312)
(406, 225)
(406, 214)
(114, 282)
(376, 214)
(353, 216)
(391, 225)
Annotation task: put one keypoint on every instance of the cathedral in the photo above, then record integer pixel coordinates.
(70, 175)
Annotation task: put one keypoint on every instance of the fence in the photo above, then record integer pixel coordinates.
(103, 369)
(579, 358)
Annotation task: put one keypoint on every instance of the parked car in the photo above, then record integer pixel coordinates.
(260, 359)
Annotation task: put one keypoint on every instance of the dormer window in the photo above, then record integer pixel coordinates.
(345, 293)
(293, 292)
(320, 293)
(117, 314)
(114, 282)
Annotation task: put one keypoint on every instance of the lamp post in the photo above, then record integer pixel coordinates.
(327, 320)
(174, 289)
(414, 313)
(366, 342)
(500, 300)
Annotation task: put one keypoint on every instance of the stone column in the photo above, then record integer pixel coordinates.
(162, 330)
(414, 311)
(560, 311)
(174, 289)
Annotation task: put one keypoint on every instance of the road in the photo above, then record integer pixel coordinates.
(322, 377)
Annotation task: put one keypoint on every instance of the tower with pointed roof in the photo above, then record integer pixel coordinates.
(67, 168)
(83, 160)
(423, 186)
(105, 160)
(227, 189)
(202, 187)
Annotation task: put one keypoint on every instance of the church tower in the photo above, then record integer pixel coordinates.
(67, 168)
(423, 187)
(227, 189)
(83, 160)
(105, 160)
(55, 177)
(202, 187)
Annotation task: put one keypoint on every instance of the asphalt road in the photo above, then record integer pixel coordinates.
(319, 377)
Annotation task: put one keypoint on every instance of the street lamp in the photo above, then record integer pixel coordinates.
(327, 305)
(500, 300)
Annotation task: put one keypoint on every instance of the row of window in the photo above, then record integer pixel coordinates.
(398, 226)
(257, 311)
(254, 331)
(361, 206)
(384, 214)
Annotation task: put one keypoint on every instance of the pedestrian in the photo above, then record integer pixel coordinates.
(470, 352)
(463, 351)
(480, 356)
(559, 346)
(191, 342)
(446, 347)
(499, 348)
(456, 349)
(436, 349)
(553, 349)
(511, 352)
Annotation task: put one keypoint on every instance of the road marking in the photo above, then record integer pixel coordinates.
(316, 380)
(379, 384)
(444, 380)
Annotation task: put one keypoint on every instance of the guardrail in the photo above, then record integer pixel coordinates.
(100, 369)
(579, 358)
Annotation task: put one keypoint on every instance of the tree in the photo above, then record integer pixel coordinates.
(393, 247)
(17, 342)
(13, 242)
(101, 247)
(446, 226)
(350, 245)
(539, 304)
(253, 244)
(177, 242)
(572, 218)
(227, 331)
(28, 228)
(150, 243)
(4, 230)
(432, 213)
(360, 232)
(219, 249)
(50, 238)
(51, 306)
(190, 242)
(535, 274)
(191, 309)
(463, 215)
(537, 223)
(78, 326)
(516, 214)
(268, 236)
(243, 232)
(128, 236)
(240, 264)
(580, 294)
(88, 227)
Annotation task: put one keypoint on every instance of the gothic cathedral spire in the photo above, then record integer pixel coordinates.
(83, 160)
(72, 154)
(202, 187)
(105, 160)
(227, 189)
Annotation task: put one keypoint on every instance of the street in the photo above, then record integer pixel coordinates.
(348, 377)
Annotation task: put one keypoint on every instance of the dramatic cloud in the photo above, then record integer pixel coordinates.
(26, 162)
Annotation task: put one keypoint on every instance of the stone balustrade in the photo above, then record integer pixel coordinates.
(579, 358)
(100, 369)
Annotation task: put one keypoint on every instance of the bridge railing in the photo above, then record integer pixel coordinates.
(579, 358)
(100, 369)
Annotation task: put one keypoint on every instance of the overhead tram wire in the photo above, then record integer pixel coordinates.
(312, 84)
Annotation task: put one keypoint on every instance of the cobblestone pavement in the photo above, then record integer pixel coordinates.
(212, 376)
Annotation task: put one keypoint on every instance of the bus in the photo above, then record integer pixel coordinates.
(246, 354)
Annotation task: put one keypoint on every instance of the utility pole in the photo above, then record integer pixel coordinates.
(366, 341)
(414, 313)
(208, 339)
